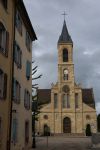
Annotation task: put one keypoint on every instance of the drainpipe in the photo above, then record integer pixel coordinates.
(12, 72)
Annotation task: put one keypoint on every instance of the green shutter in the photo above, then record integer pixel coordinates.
(28, 69)
(15, 52)
(14, 130)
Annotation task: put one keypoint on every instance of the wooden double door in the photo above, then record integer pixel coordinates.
(66, 125)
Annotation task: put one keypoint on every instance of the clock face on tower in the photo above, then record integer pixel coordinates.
(65, 71)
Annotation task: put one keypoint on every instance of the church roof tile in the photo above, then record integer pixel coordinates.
(88, 97)
(44, 96)
(65, 37)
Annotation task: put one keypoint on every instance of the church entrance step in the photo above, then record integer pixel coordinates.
(70, 134)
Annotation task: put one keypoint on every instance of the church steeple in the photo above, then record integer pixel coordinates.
(65, 37)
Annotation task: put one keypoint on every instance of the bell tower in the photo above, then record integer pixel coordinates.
(65, 57)
(65, 65)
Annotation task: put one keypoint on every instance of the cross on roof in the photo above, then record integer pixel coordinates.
(64, 14)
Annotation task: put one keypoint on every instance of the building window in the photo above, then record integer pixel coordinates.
(18, 22)
(65, 55)
(16, 91)
(4, 2)
(3, 85)
(45, 117)
(0, 126)
(17, 55)
(27, 99)
(26, 132)
(14, 130)
(4, 40)
(65, 102)
(65, 74)
(28, 70)
(28, 41)
(55, 100)
(76, 100)
(88, 117)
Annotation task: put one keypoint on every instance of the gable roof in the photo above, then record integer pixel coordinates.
(25, 17)
(44, 96)
(88, 97)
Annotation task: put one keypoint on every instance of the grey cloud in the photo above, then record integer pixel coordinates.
(84, 27)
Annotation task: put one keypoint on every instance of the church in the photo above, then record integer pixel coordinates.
(66, 107)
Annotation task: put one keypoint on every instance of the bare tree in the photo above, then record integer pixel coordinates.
(35, 107)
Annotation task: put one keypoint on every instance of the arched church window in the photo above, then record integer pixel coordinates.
(65, 101)
(65, 74)
(55, 100)
(65, 89)
(76, 100)
(65, 55)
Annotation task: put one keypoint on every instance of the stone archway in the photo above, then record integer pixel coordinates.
(66, 125)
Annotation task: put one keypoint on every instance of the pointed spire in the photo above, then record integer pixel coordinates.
(65, 37)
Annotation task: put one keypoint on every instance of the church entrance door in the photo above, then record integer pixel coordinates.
(67, 125)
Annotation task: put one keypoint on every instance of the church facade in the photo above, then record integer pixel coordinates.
(66, 107)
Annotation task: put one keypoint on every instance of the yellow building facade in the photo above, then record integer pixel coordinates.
(6, 48)
(21, 130)
(16, 36)
(66, 107)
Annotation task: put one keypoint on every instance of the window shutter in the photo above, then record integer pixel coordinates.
(14, 88)
(5, 86)
(29, 100)
(7, 43)
(20, 59)
(19, 89)
(14, 130)
(15, 52)
(25, 97)
(28, 69)
(16, 19)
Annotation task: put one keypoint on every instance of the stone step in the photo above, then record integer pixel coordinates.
(70, 134)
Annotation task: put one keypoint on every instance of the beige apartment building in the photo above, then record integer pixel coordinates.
(6, 48)
(66, 107)
(16, 36)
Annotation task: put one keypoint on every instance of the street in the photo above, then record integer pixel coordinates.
(63, 143)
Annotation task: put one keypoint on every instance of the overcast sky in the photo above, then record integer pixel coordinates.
(83, 22)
